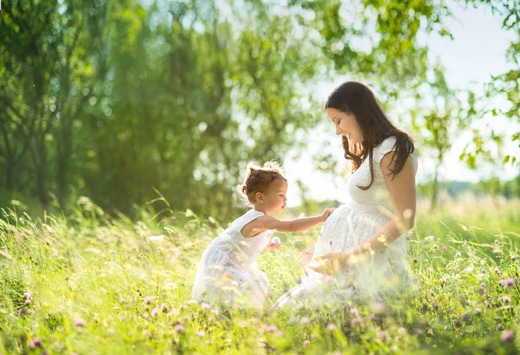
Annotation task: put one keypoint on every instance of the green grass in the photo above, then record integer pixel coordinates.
(88, 283)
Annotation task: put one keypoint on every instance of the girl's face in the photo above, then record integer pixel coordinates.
(273, 199)
(346, 125)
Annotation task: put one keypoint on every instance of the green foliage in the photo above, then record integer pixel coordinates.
(118, 100)
(95, 283)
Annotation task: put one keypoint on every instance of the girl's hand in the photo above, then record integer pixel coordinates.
(274, 244)
(305, 257)
(327, 213)
(331, 263)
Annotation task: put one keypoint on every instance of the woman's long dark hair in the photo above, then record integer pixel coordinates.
(357, 98)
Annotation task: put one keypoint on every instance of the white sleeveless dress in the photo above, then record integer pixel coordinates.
(364, 213)
(228, 273)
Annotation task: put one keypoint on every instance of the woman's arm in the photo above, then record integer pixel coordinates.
(401, 189)
(264, 223)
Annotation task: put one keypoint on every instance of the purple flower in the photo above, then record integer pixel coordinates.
(382, 335)
(272, 329)
(508, 336)
(378, 307)
(35, 343)
(154, 312)
(356, 322)
(305, 320)
(148, 300)
(507, 282)
(79, 323)
(179, 328)
(354, 311)
(164, 308)
(506, 299)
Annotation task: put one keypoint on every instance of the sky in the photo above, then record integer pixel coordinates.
(476, 52)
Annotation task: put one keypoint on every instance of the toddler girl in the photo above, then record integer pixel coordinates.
(228, 272)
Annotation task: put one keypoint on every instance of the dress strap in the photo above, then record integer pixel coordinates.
(246, 218)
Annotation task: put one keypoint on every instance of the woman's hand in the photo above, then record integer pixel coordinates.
(305, 257)
(331, 263)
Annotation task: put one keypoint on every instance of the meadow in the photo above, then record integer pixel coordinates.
(91, 283)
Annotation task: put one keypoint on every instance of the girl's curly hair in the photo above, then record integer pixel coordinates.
(258, 178)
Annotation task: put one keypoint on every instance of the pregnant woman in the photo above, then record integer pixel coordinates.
(361, 252)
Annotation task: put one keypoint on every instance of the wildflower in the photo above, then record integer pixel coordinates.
(164, 308)
(482, 287)
(154, 312)
(204, 305)
(507, 282)
(179, 328)
(418, 331)
(356, 322)
(270, 328)
(382, 335)
(354, 311)
(508, 336)
(306, 343)
(497, 271)
(148, 300)
(79, 323)
(331, 326)
(35, 343)
(378, 307)
(305, 320)
(442, 280)
(147, 333)
(505, 299)
(200, 333)
(22, 311)
(401, 331)
(27, 296)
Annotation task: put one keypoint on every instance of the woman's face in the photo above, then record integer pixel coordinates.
(346, 125)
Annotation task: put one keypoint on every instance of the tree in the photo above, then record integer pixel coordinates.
(437, 119)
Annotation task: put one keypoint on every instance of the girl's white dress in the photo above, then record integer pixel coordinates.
(364, 213)
(228, 272)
